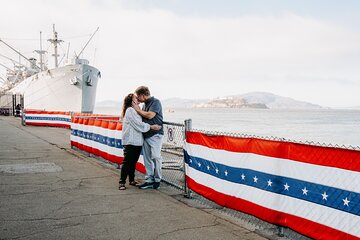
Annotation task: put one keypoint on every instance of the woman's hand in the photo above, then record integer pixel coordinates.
(135, 106)
(155, 127)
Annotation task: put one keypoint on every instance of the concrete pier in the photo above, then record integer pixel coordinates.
(49, 191)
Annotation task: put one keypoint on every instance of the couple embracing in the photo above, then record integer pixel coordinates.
(142, 130)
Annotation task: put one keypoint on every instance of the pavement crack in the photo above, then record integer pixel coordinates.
(65, 218)
(59, 208)
(85, 178)
(33, 192)
(186, 228)
(57, 226)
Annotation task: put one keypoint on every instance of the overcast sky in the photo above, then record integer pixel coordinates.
(308, 50)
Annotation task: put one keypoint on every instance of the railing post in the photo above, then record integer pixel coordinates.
(23, 117)
(280, 231)
(188, 127)
(71, 127)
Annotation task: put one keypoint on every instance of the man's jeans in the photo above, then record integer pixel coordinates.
(152, 158)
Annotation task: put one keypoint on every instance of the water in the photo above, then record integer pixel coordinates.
(341, 127)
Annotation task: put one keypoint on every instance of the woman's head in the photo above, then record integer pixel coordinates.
(128, 101)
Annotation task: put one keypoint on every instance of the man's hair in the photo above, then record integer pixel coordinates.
(142, 90)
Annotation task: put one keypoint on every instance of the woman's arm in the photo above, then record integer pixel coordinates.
(135, 122)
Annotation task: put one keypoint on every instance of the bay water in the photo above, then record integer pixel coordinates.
(328, 126)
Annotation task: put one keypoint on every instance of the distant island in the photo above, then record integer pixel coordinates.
(256, 100)
(260, 100)
(229, 102)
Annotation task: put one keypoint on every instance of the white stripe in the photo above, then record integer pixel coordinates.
(103, 131)
(48, 122)
(141, 160)
(117, 134)
(328, 176)
(111, 150)
(77, 126)
(49, 115)
(115, 151)
(333, 218)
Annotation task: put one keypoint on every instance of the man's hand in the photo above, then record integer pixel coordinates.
(155, 127)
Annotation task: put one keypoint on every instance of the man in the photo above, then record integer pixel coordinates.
(151, 114)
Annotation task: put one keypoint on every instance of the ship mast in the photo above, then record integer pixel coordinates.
(55, 41)
(41, 53)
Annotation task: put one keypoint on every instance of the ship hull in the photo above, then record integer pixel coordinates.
(69, 88)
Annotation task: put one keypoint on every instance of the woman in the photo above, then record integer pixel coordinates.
(132, 139)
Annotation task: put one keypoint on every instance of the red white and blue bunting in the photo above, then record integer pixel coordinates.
(47, 118)
(100, 137)
(313, 190)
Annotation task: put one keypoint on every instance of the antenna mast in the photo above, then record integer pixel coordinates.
(55, 41)
(87, 42)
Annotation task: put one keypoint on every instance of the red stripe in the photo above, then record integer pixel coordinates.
(114, 159)
(48, 124)
(324, 156)
(95, 151)
(140, 167)
(75, 144)
(301, 225)
(78, 145)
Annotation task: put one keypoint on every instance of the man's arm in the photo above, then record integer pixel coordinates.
(148, 115)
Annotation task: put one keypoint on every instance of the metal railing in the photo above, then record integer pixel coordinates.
(172, 154)
(174, 174)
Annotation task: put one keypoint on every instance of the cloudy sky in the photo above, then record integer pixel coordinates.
(308, 50)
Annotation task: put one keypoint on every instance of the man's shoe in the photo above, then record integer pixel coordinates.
(156, 185)
(146, 185)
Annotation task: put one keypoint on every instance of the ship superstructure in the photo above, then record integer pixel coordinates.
(71, 87)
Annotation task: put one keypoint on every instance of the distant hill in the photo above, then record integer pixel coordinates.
(351, 108)
(277, 102)
(249, 100)
(230, 102)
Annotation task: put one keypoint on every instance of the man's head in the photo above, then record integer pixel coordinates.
(142, 93)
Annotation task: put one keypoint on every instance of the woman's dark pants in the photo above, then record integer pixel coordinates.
(131, 156)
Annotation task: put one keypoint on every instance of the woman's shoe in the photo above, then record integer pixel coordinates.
(134, 183)
(122, 186)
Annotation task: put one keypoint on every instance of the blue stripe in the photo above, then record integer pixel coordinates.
(48, 118)
(336, 198)
(112, 142)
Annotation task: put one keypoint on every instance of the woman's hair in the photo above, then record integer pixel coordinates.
(127, 103)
